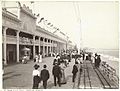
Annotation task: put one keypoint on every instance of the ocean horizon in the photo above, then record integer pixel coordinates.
(109, 52)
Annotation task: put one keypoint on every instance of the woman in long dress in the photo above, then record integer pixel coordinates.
(40, 57)
(63, 80)
(36, 58)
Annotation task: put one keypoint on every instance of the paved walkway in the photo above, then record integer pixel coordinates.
(20, 76)
(93, 78)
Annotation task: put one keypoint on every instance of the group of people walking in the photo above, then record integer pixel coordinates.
(59, 65)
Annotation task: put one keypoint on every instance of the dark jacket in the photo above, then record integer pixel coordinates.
(36, 80)
(56, 71)
(44, 75)
(75, 69)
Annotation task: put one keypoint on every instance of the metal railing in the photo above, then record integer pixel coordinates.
(10, 38)
(24, 40)
(110, 72)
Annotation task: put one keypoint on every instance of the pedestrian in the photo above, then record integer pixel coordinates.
(36, 77)
(36, 58)
(40, 57)
(74, 71)
(56, 71)
(44, 76)
(63, 79)
(93, 59)
(58, 59)
(98, 61)
(83, 55)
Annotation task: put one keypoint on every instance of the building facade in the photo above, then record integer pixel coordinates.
(20, 31)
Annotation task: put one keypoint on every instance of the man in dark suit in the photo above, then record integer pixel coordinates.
(74, 71)
(44, 76)
(56, 71)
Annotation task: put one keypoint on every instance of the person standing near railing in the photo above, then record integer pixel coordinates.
(98, 61)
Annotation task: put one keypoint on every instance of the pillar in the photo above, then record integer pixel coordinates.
(53, 46)
(50, 46)
(33, 46)
(43, 47)
(57, 46)
(4, 45)
(39, 45)
(47, 47)
(18, 46)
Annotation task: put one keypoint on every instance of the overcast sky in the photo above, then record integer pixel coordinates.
(99, 21)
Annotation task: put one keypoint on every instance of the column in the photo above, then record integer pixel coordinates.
(50, 46)
(33, 46)
(57, 47)
(47, 47)
(18, 46)
(39, 45)
(43, 47)
(4, 45)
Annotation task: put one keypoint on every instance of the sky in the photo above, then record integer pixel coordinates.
(95, 23)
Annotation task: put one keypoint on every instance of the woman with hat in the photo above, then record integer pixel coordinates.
(36, 76)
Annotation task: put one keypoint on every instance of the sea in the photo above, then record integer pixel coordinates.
(109, 52)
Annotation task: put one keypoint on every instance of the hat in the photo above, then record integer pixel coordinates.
(44, 66)
(36, 66)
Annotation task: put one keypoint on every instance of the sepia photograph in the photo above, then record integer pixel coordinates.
(60, 44)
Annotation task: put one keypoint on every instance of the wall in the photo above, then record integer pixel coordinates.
(28, 20)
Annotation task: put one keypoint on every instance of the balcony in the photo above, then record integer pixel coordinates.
(26, 41)
(41, 43)
(11, 39)
(37, 42)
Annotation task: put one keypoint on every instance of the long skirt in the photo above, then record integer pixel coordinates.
(63, 80)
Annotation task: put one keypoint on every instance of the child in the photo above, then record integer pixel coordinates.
(44, 76)
(36, 77)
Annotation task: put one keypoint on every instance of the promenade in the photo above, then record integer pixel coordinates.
(20, 76)
(93, 78)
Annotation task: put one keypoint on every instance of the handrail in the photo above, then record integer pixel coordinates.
(110, 72)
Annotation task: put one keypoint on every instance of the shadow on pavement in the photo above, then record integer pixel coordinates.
(5, 78)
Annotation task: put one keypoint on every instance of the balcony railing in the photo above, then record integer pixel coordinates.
(36, 41)
(11, 39)
(41, 43)
(24, 40)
